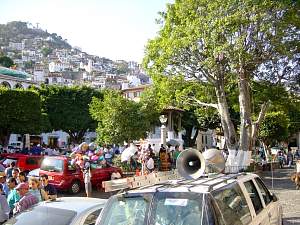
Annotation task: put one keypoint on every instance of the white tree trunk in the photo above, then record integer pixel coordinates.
(245, 112)
(227, 125)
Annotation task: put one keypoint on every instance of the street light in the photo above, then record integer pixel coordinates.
(163, 119)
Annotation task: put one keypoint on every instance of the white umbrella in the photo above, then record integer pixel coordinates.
(128, 152)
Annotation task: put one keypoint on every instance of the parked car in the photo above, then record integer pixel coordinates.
(64, 176)
(62, 211)
(235, 199)
(25, 163)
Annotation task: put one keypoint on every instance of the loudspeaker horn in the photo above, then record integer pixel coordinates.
(191, 164)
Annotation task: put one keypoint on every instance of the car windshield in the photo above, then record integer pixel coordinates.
(41, 215)
(166, 209)
(126, 210)
(7, 161)
(52, 165)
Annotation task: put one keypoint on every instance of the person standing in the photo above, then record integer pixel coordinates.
(26, 198)
(3, 183)
(87, 179)
(289, 158)
(8, 171)
(13, 196)
(48, 188)
(35, 190)
(4, 207)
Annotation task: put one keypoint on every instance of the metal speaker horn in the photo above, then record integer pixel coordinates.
(190, 164)
(215, 161)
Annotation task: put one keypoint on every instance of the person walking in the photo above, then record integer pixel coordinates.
(4, 207)
(26, 198)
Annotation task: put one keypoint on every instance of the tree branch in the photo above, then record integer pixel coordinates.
(198, 102)
(260, 118)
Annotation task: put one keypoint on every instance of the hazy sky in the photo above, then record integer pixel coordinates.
(117, 29)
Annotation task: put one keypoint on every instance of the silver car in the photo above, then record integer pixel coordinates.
(62, 211)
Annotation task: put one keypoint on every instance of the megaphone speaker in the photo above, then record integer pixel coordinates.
(190, 164)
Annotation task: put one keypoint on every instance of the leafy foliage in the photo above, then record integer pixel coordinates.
(228, 43)
(274, 127)
(68, 109)
(6, 61)
(119, 119)
(20, 113)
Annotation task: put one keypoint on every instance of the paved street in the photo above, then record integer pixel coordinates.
(285, 190)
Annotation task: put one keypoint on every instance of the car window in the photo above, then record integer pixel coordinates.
(232, 207)
(125, 210)
(31, 161)
(52, 165)
(181, 209)
(91, 218)
(264, 191)
(255, 199)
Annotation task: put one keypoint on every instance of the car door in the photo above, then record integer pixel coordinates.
(271, 204)
(261, 215)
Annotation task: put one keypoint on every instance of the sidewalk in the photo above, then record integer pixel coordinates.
(285, 190)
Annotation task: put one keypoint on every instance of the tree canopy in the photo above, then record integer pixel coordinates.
(6, 61)
(68, 109)
(20, 113)
(119, 119)
(227, 43)
(274, 128)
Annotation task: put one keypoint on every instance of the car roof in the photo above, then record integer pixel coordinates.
(19, 155)
(200, 185)
(77, 204)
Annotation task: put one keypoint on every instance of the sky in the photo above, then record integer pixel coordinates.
(115, 29)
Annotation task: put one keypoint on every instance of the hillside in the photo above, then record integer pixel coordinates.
(18, 31)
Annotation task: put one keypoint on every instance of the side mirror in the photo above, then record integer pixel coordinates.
(274, 197)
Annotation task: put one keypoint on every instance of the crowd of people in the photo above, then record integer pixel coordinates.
(18, 192)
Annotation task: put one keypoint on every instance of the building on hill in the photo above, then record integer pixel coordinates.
(15, 79)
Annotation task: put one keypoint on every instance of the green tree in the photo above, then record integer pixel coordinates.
(68, 109)
(20, 113)
(46, 51)
(6, 61)
(172, 91)
(228, 42)
(274, 128)
(119, 119)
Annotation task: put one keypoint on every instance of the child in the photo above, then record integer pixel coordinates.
(87, 179)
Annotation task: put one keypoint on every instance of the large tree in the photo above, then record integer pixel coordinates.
(20, 113)
(171, 91)
(228, 41)
(120, 119)
(68, 109)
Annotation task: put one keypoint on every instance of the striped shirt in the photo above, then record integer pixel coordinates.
(25, 202)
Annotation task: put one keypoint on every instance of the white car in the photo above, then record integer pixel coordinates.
(62, 211)
(234, 199)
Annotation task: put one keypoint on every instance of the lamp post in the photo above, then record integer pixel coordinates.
(163, 119)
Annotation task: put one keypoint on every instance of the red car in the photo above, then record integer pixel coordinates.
(64, 176)
(25, 163)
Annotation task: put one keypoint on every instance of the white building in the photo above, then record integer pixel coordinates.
(58, 66)
(16, 45)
